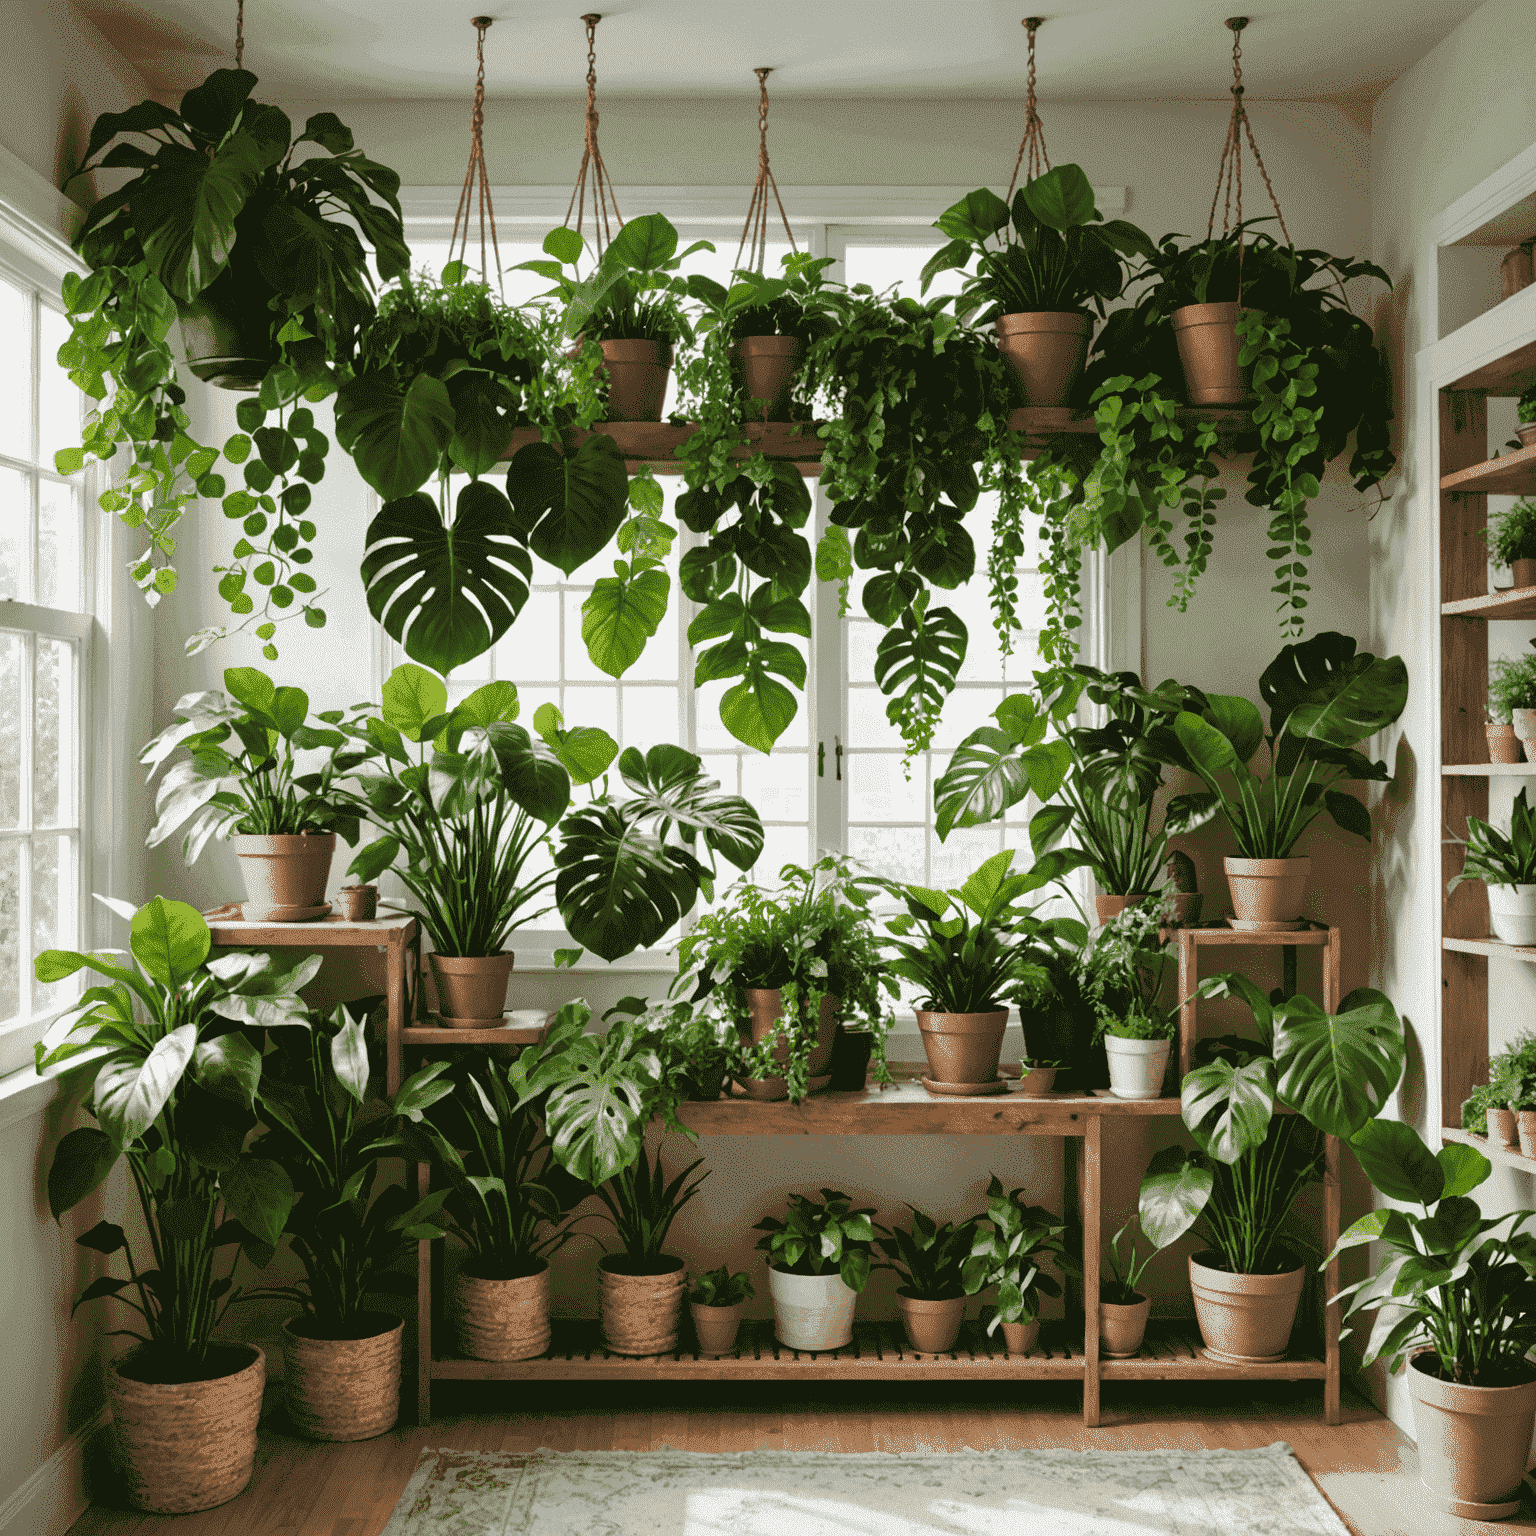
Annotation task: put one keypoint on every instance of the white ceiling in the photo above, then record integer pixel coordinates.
(350, 49)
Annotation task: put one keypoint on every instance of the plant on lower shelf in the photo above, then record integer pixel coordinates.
(817, 1237)
(1123, 1288)
(642, 1206)
(720, 1288)
(1525, 408)
(927, 1258)
(1511, 686)
(1008, 1253)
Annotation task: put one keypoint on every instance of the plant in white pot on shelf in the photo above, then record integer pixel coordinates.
(241, 782)
(1455, 1301)
(1507, 866)
(1335, 1073)
(1011, 1240)
(1511, 708)
(929, 1262)
(819, 1259)
(1124, 972)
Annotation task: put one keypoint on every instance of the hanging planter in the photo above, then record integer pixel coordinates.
(1209, 349)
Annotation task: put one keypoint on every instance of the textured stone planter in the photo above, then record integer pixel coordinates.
(1137, 1067)
(962, 1047)
(342, 1389)
(1267, 894)
(1246, 1318)
(811, 1312)
(1473, 1441)
(503, 1319)
(1047, 352)
(1123, 1326)
(285, 877)
(639, 1312)
(716, 1327)
(931, 1326)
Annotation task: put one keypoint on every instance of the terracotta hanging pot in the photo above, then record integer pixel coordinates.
(185, 1446)
(1473, 1441)
(716, 1327)
(639, 1313)
(285, 877)
(1123, 1326)
(1501, 1127)
(1503, 744)
(1047, 351)
(765, 1005)
(637, 378)
(1020, 1338)
(342, 1389)
(1208, 349)
(1246, 1318)
(768, 370)
(472, 988)
(962, 1047)
(1110, 907)
(931, 1326)
(1267, 894)
(503, 1319)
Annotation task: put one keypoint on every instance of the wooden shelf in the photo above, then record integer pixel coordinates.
(1509, 1157)
(1489, 947)
(656, 443)
(442, 1034)
(1488, 770)
(1313, 936)
(1516, 603)
(231, 931)
(1511, 474)
(1510, 375)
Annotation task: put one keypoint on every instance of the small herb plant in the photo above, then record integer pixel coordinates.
(1526, 408)
(642, 1205)
(819, 1234)
(1007, 1252)
(1511, 686)
(1511, 1085)
(1126, 1270)
(928, 1259)
(1496, 859)
(1512, 533)
(1124, 971)
(720, 1288)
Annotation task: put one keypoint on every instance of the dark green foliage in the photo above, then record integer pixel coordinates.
(927, 1258)
(818, 1234)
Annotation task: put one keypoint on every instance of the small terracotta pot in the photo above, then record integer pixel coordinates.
(1514, 272)
(283, 872)
(1208, 349)
(186, 1446)
(1503, 744)
(503, 1319)
(1501, 1127)
(1110, 907)
(1244, 1317)
(716, 1327)
(637, 378)
(1020, 1338)
(472, 986)
(342, 1389)
(811, 1312)
(1038, 1082)
(1123, 1326)
(931, 1326)
(1267, 894)
(1137, 1067)
(1047, 352)
(1473, 1441)
(768, 369)
(1524, 572)
(639, 1313)
(766, 1090)
(766, 1007)
(962, 1047)
(358, 903)
(1527, 434)
(1525, 1131)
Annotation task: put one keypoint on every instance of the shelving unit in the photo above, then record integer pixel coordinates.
(1509, 1157)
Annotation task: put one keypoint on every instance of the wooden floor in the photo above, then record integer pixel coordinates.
(1365, 1468)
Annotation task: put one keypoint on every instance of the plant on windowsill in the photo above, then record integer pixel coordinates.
(328, 1133)
(240, 783)
(717, 1300)
(929, 1261)
(1507, 866)
(819, 1259)
(162, 1052)
(1124, 972)
(1009, 1256)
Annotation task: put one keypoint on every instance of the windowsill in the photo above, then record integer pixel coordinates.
(24, 1095)
(541, 962)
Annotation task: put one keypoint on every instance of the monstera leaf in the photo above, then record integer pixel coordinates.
(1339, 1069)
(670, 787)
(447, 594)
(916, 665)
(396, 437)
(1228, 1107)
(568, 507)
(1176, 1188)
(1322, 693)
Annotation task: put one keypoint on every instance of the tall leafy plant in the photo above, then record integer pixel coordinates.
(1008, 1253)
(1496, 859)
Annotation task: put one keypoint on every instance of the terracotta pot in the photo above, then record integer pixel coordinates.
(1473, 1441)
(1512, 914)
(811, 1312)
(358, 903)
(503, 1319)
(1137, 1067)
(1527, 434)
(1186, 909)
(766, 1090)
(1267, 894)
(639, 1313)
(1514, 272)
(850, 1060)
(768, 369)
(1038, 1082)
(1244, 1317)
(1020, 1338)
(342, 1389)
(283, 872)
(1503, 744)
(1123, 1326)
(637, 378)
(962, 1047)
(716, 1327)
(1110, 907)
(1047, 352)
(766, 1007)
(1525, 1131)
(1524, 572)
(1501, 1127)
(1208, 349)
(185, 1446)
(931, 1326)
(472, 986)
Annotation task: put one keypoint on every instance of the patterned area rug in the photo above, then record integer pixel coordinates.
(781, 1493)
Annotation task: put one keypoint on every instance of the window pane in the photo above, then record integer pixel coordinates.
(594, 706)
(53, 918)
(879, 791)
(59, 538)
(60, 407)
(16, 376)
(781, 846)
(15, 529)
(53, 738)
(651, 715)
(13, 656)
(890, 851)
(10, 929)
(776, 785)
(530, 650)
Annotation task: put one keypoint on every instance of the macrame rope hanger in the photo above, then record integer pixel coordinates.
(757, 210)
(593, 172)
(1033, 159)
(240, 34)
(477, 181)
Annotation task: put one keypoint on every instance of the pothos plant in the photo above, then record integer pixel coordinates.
(249, 236)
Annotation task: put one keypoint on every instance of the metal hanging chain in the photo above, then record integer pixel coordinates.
(477, 181)
(1229, 178)
(1032, 144)
(592, 168)
(240, 34)
(757, 210)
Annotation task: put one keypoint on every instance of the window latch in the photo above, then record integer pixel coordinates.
(821, 759)
(838, 755)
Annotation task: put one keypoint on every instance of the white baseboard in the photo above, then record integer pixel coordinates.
(54, 1497)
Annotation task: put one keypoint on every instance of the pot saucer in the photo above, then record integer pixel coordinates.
(965, 1090)
(251, 913)
(515, 1032)
(1223, 1358)
(1119, 1354)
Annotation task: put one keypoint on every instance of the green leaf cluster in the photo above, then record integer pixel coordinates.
(720, 1288)
(927, 1257)
(1008, 1251)
(817, 1234)
(1496, 859)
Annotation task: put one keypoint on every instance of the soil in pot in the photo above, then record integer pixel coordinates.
(186, 1445)
(767, 369)
(1123, 1326)
(1473, 1442)
(342, 1388)
(716, 1327)
(1267, 894)
(1020, 1338)
(766, 1007)
(1208, 348)
(1246, 1318)
(1137, 1067)
(637, 378)
(1047, 352)
(501, 1318)
(811, 1312)
(283, 873)
(1512, 913)
(1503, 744)
(851, 1051)
(472, 986)
(962, 1048)
(639, 1310)
(931, 1326)
(1501, 1127)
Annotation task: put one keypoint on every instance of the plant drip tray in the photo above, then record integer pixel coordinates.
(251, 913)
(965, 1090)
(1222, 1358)
(517, 1034)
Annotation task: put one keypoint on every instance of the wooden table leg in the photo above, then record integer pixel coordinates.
(395, 958)
(1093, 1178)
(1332, 1194)
(424, 1291)
(1189, 979)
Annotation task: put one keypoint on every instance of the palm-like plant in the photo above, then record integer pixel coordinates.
(642, 1205)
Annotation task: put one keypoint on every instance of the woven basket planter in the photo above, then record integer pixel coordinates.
(639, 1312)
(343, 1389)
(503, 1319)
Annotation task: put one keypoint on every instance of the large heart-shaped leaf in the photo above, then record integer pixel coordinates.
(212, 107)
(81, 1161)
(671, 787)
(597, 1116)
(1398, 1163)
(169, 939)
(1227, 1108)
(258, 1193)
(1337, 696)
(229, 1066)
(622, 612)
(583, 751)
(131, 1090)
(976, 217)
(916, 665)
(759, 709)
(413, 696)
(396, 437)
(1338, 1069)
(484, 418)
(1176, 1188)
(568, 508)
(540, 786)
(448, 594)
(643, 244)
(1062, 198)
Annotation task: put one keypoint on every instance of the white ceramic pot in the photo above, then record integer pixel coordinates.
(1136, 1067)
(811, 1312)
(1512, 913)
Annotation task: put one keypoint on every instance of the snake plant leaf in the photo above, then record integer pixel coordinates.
(447, 594)
(1338, 1070)
(396, 437)
(622, 612)
(568, 508)
(1228, 1108)
(1175, 1190)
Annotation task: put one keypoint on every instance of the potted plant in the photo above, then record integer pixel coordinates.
(1511, 707)
(1123, 976)
(241, 783)
(1507, 866)
(1457, 1306)
(162, 1052)
(1335, 1072)
(1324, 700)
(1123, 1307)
(928, 1260)
(1054, 257)
(341, 1354)
(1525, 410)
(1037, 1077)
(1512, 541)
(698, 1045)
(784, 962)
(717, 1299)
(1007, 1252)
(1492, 1109)
(818, 1262)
